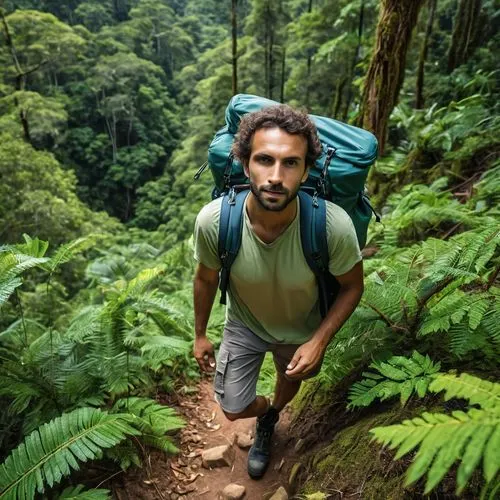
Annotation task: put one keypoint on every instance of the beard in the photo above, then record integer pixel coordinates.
(264, 197)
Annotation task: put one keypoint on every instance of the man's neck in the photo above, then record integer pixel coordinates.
(268, 219)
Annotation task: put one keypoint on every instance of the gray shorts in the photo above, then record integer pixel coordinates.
(239, 361)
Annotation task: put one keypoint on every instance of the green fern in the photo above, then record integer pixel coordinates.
(52, 451)
(398, 376)
(78, 493)
(153, 419)
(444, 439)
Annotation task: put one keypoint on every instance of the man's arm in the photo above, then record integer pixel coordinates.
(311, 353)
(206, 281)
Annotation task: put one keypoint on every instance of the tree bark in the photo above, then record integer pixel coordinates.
(419, 93)
(465, 33)
(385, 75)
(234, 34)
(309, 60)
(355, 60)
(282, 86)
(339, 89)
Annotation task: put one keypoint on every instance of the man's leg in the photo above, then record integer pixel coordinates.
(285, 390)
(259, 406)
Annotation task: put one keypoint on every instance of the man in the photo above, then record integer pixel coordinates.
(273, 295)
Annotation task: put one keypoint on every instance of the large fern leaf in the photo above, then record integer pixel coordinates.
(444, 439)
(484, 393)
(50, 452)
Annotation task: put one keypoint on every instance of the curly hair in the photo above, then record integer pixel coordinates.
(286, 118)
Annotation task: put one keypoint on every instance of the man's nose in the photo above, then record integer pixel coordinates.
(275, 174)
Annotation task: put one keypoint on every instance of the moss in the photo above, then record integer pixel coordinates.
(352, 462)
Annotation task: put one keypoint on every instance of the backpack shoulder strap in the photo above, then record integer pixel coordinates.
(230, 231)
(315, 243)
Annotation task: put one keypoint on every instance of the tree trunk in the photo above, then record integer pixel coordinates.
(282, 86)
(271, 62)
(385, 75)
(309, 60)
(355, 60)
(20, 77)
(339, 89)
(419, 93)
(465, 33)
(234, 35)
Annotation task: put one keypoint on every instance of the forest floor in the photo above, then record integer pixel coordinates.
(183, 476)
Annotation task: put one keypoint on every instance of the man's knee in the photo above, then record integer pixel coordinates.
(232, 416)
(235, 415)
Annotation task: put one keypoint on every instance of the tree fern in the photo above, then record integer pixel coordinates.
(444, 439)
(52, 451)
(397, 376)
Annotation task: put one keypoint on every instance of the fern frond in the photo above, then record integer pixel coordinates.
(67, 251)
(50, 452)
(444, 439)
(159, 418)
(78, 493)
(162, 443)
(484, 393)
(398, 376)
(85, 325)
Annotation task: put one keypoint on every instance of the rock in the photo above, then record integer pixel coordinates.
(292, 480)
(243, 440)
(233, 491)
(219, 456)
(280, 494)
(299, 446)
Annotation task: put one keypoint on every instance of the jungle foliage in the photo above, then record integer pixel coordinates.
(106, 112)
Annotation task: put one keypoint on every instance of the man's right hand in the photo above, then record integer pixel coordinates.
(203, 351)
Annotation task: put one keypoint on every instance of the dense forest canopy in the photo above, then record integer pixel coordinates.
(107, 109)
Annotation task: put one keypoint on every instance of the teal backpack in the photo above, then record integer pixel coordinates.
(338, 176)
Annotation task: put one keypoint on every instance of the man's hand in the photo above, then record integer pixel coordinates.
(203, 351)
(305, 360)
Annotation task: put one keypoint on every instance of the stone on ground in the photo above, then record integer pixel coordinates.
(233, 491)
(220, 456)
(243, 440)
(280, 494)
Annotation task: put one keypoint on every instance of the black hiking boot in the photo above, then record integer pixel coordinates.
(259, 454)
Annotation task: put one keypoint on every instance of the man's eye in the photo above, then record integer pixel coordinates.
(264, 159)
(291, 163)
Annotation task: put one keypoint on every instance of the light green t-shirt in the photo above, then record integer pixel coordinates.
(272, 290)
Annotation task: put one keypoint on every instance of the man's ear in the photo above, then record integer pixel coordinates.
(246, 170)
(306, 175)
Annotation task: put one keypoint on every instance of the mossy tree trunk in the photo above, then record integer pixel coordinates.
(419, 99)
(465, 33)
(385, 75)
(355, 61)
(234, 36)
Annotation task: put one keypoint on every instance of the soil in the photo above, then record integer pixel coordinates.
(182, 476)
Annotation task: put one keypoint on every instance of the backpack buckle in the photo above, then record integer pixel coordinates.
(232, 196)
(315, 199)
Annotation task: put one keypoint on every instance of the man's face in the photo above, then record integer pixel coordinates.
(277, 167)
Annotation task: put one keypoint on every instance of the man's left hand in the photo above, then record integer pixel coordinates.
(305, 360)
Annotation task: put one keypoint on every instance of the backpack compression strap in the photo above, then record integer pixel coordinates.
(230, 229)
(315, 243)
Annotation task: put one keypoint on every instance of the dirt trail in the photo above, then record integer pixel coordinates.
(183, 476)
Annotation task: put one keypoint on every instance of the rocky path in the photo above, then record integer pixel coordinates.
(212, 457)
